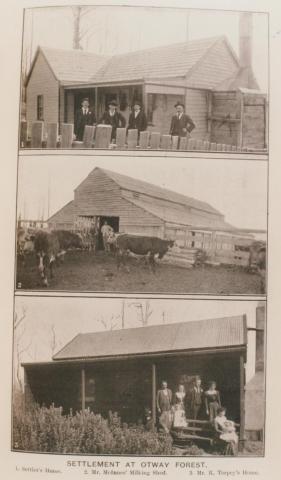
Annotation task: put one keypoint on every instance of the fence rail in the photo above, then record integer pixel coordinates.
(40, 135)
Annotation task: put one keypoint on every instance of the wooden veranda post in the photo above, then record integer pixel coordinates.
(83, 395)
(242, 403)
(153, 409)
(144, 98)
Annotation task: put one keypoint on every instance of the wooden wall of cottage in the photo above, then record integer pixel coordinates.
(42, 82)
(126, 387)
(230, 118)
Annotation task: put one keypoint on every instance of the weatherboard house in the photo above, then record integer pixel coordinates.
(121, 370)
(133, 206)
(218, 89)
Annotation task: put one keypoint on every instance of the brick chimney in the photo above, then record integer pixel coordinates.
(245, 39)
(260, 335)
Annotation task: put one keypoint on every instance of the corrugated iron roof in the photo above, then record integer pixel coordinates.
(135, 185)
(194, 335)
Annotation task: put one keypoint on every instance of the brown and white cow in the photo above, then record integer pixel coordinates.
(150, 247)
(51, 247)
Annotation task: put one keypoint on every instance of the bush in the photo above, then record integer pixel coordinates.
(42, 429)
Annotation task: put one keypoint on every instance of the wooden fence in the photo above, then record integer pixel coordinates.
(38, 135)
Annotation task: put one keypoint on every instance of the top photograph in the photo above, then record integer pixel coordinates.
(144, 78)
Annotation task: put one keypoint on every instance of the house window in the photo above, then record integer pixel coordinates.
(40, 107)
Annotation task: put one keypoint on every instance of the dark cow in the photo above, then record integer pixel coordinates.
(141, 245)
(257, 261)
(51, 247)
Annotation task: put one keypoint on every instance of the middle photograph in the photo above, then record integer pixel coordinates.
(149, 225)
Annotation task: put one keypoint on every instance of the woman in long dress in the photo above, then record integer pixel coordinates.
(212, 401)
(226, 431)
(178, 408)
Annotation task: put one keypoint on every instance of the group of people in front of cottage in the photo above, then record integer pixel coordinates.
(174, 409)
(181, 123)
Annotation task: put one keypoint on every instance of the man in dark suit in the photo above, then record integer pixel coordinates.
(137, 118)
(84, 116)
(181, 123)
(114, 118)
(196, 399)
(164, 406)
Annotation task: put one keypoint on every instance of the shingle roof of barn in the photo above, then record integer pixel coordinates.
(194, 335)
(139, 186)
(65, 214)
(179, 215)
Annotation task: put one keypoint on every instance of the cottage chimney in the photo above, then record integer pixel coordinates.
(245, 39)
(260, 334)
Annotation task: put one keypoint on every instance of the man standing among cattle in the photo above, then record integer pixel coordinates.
(106, 231)
(181, 124)
(84, 116)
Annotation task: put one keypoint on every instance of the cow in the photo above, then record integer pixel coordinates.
(141, 245)
(25, 243)
(257, 262)
(51, 247)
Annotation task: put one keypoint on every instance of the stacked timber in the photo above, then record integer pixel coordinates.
(185, 257)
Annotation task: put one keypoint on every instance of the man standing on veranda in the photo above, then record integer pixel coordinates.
(164, 406)
(114, 118)
(181, 124)
(137, 118)
(84, 116)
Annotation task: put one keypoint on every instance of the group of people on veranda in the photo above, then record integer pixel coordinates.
(181, 123)
(175, 408)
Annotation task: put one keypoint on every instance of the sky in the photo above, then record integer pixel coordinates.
(113, 30)
(237, 188)
(69, 316)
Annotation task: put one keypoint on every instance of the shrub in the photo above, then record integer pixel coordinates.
(44, 429)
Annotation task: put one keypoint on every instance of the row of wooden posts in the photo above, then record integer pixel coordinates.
(100, 137)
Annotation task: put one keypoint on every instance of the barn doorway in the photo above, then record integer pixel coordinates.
(113, 222)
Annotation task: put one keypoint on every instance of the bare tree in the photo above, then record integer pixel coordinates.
(144, 311)
(20, 347)
(80, 31)
(111, 323)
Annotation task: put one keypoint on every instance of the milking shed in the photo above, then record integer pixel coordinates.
(121, 370)
(133, 206)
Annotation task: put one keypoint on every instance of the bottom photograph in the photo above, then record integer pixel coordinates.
(109, 376)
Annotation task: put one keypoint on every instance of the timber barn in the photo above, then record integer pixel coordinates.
(133, 206)
(121, 370)
(218, 89)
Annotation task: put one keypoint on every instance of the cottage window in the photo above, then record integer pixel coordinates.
(40, 107)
